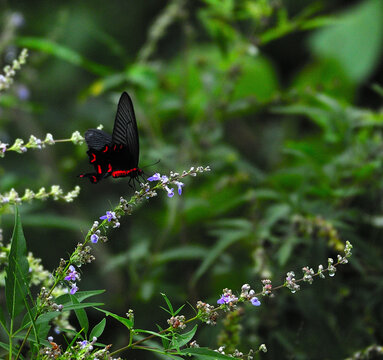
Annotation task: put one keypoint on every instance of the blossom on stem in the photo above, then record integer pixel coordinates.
(254, 301)
(169, 191)
(290, 282)
(155, 177)
(73, 275)
(110, 215)
(3, 148)
(94, 238)
(76, 138)
(227, 298)
(73, 289)
(180, 185)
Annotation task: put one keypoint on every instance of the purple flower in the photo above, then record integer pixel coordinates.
(170, 191)
(110, 215)
(179, 185)
(94, 238)
(3, 147)
(23, 92)
(254, 301)
(226, 299)
(73, 289)
(73, 274)
(83, 344)
(155, 177)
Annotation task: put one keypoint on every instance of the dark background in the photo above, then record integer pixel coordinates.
(281, 98)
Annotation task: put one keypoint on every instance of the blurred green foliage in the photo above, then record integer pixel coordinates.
(276, 96)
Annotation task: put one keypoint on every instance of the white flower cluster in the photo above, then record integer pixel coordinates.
(76, 138)
(33, 143)
(10, 71)
(12, 197)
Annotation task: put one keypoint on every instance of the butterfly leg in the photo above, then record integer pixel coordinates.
(94, 178)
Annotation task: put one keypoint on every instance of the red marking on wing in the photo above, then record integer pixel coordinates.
(121, 146)
(99, 169)
(109, 168)
(119, 173)
(94, 179)
(115, 146)
(94, 158)
(106, 149)
(82, 175)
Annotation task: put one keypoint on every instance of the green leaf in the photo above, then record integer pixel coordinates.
(355, 41)
(182, 339)
(151, 333)
(68, 307)
(189, 252)
(4, 346)
(52, 221)
(257, 79)
(286, 250)
(17, 271)
(98, 329)
(179, 309)
(228, 233)
(165, 341)
(2, 319)
(62, 52)
(168, 303)
(79, 295)
(205, 354)
(125, 321)
(81, 315)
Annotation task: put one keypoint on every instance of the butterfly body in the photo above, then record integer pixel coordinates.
(115, 155)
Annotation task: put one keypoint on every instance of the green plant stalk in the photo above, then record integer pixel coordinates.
(132, 201)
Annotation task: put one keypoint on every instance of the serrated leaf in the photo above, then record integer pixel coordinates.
(17, 271)
(98, 329)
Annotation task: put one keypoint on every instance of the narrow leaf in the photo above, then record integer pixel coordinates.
(205, 353)
(17, 271)
(98, 329)
(62, 52)
(81, 316)
(125, 321)
(168, 303)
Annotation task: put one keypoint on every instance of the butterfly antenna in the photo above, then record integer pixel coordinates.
(151, 164)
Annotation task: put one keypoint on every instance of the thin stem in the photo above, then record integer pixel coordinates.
(221, 307)
(10, 339)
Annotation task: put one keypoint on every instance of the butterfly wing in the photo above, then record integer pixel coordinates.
(97, 139)
(125, 131)
(99, 144)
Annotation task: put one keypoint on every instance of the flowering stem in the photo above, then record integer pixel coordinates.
(198, 316)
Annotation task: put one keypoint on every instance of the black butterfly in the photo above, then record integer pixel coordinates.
(115, 155)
